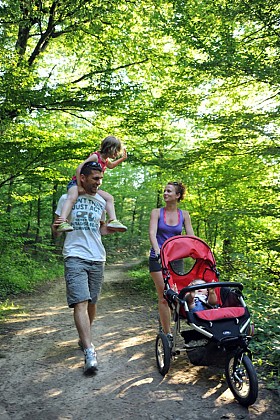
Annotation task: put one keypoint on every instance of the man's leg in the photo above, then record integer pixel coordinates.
(91, 312)
(83, 324)
(83, 317)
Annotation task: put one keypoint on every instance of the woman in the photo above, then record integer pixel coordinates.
(164, 223)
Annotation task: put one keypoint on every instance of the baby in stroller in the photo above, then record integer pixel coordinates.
(201, 299)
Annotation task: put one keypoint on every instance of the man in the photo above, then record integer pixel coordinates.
(84, 257)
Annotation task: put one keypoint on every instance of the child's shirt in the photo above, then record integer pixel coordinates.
(199, 303)
(100, 161)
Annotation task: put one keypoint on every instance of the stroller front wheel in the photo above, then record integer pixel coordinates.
(242, 379)
(163, 353)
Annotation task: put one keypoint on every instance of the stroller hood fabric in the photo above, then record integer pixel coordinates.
(186, 246)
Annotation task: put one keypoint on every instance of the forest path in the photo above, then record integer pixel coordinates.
(42, 366)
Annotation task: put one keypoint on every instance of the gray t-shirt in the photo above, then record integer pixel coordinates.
(85, 240)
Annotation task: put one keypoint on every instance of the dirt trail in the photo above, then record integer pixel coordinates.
(42, 366)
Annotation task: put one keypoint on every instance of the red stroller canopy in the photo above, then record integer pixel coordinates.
(186, 246)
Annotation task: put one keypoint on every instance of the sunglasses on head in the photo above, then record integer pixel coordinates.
(94, 165)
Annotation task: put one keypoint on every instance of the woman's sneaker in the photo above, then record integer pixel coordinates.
(116, 225)
(65, 227)
(170, 339)
(90, 361)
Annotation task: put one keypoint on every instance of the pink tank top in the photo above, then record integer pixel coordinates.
(99, 160)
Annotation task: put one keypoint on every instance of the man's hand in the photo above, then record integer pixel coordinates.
(55, 225)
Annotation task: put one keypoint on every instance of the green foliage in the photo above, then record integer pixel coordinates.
(21, 273)
(142, 280)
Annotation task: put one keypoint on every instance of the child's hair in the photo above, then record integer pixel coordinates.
(110, 145)
(180, 189)
(196, 282)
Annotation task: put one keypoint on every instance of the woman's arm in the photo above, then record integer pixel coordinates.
(188, 223)
(153, 230)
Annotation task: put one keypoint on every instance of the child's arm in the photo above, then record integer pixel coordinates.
(112, 165)
(190, 299)
(91, 158)
(212, 297)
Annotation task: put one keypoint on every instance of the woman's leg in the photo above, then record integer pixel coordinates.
(163, 308)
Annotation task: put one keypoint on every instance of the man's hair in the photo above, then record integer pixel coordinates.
(88, 167)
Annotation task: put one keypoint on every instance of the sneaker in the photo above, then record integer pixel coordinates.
(90, 361)
(80, 344)
(116, 225)
(65, 227)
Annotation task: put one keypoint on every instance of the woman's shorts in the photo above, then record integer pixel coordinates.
(154, 265)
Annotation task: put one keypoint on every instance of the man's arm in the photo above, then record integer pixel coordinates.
(57, 219)
(55, 225)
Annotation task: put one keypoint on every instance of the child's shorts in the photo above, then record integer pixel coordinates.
(72, 183)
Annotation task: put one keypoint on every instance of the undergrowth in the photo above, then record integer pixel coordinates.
(24, 275)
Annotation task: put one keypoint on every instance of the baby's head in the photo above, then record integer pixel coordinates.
(199, 291)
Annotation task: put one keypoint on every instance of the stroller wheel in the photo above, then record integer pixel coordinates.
(163, 353)
(242, 379)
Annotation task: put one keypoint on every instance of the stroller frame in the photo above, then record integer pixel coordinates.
(218, 334)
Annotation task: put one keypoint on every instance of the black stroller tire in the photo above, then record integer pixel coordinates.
(242, 380)
(163, 353)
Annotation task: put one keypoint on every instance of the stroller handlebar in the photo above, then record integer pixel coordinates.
(173, 296)
(210, 286)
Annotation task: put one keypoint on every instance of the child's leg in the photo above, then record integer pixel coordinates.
(110, 206)
(113, 223)
(66, 209)
(72, 196)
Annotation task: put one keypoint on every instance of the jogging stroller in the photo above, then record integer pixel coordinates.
(215, 336)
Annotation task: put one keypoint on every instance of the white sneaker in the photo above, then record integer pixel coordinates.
(80, 344)
(90, 361)
(116, 226)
